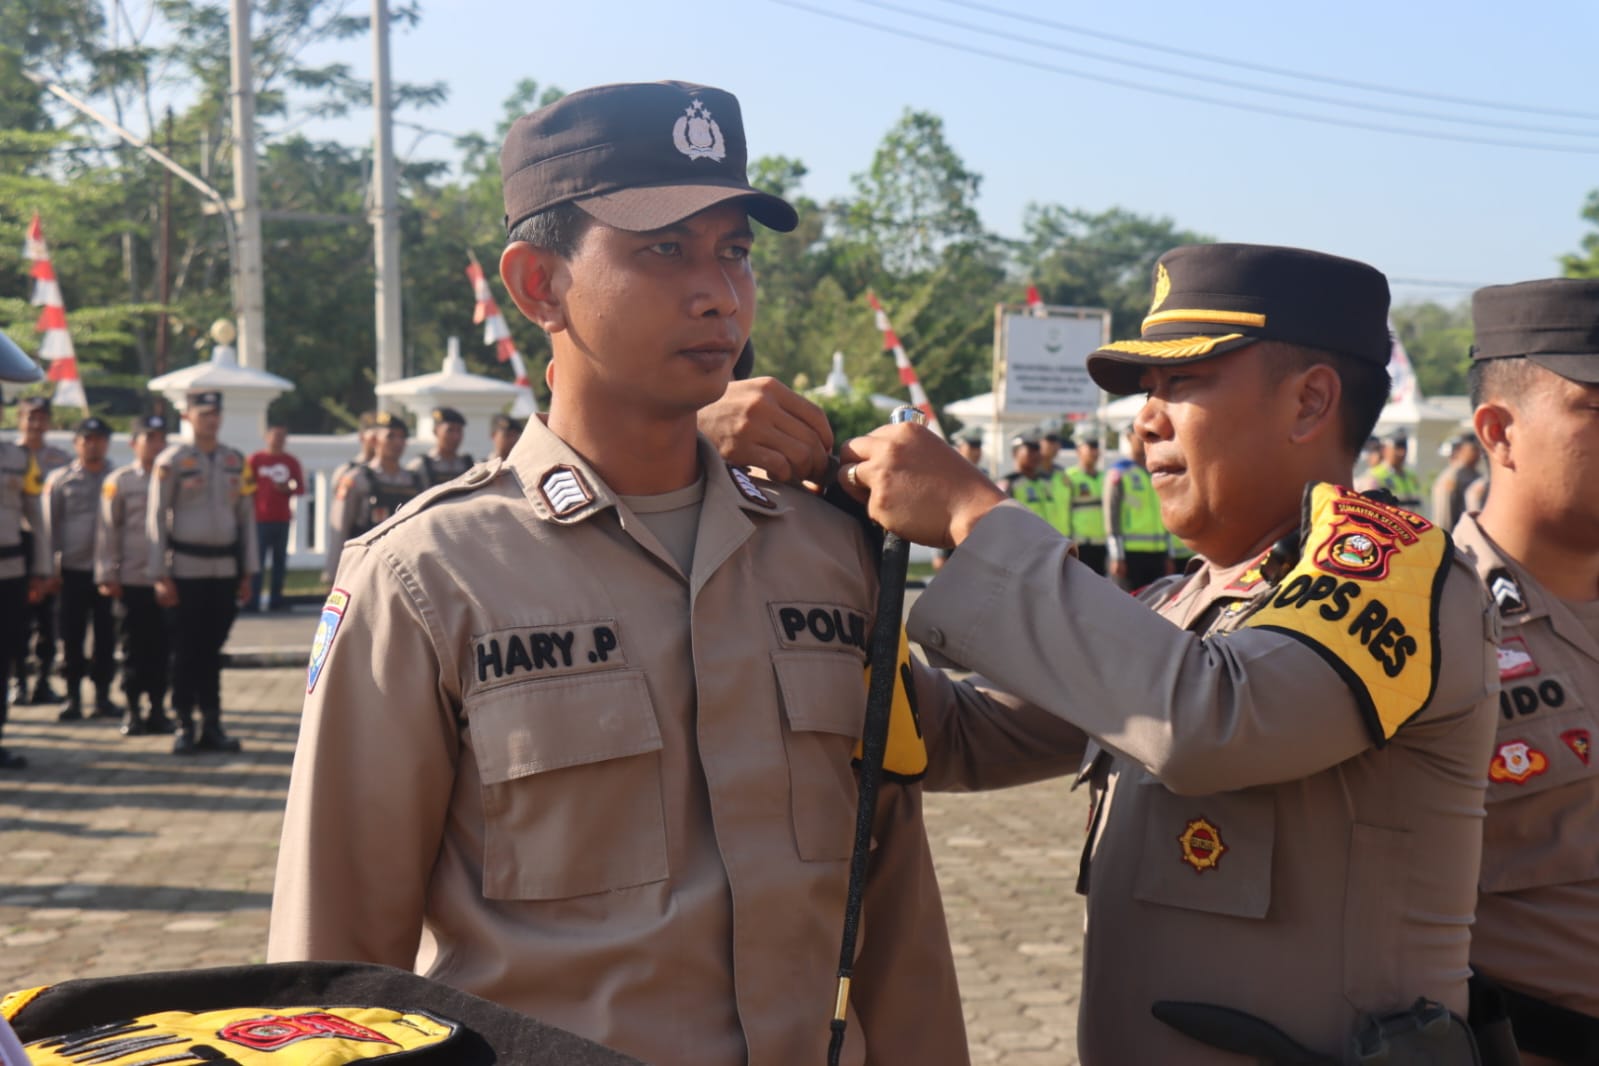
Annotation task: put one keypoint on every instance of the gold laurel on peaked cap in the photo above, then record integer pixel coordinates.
(1210, 299)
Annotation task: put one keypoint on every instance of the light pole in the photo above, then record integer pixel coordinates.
(385, 208)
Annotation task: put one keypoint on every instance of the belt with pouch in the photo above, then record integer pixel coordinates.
(1427, 1034)
(205, 551)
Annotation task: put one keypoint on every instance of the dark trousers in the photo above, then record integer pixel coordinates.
(81, 606)
(202, 618)
(145, 647)
(39, 619)
(273, 538)
(1093, 556)
(13, 626)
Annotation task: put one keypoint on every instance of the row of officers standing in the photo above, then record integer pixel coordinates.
(170, 537)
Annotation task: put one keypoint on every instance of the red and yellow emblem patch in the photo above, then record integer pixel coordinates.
(1579, 742)
(1516, 761)
(1202, 845)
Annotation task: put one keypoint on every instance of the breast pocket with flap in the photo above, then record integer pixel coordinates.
(571, 772)
(824, 702)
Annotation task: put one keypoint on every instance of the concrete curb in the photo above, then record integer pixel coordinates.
(263, 658)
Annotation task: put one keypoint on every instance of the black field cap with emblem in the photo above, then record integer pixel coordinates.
(92, 427)
(34, 403)
(1553, 323)
(637, 157)
(505, 423)
(199, 399)
(1216, 298)
(149, 424)
(284, 1014)
(387, 420)
(449, 416)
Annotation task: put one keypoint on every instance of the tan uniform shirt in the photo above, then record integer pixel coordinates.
(201, 500)
(20, 488)
(541, 763)
(436, 470)
(1538, 915)
(122, 550)
(71, 508)
(1250, 846)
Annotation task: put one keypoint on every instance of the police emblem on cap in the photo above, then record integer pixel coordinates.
(1162, 287)
(564, 491)
(1201, 844)
(697, 135)
(748, 489)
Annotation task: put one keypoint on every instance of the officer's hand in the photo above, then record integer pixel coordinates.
(762, 422)
(111, 589)
(244, 589)
(1118, 569)
(166, 592)
(916, 485)
(36, 590)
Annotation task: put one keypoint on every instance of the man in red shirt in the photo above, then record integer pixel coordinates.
(278, 480)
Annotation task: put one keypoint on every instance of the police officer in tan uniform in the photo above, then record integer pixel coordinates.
(20, 487)
(1535, 386)
(368, 494)
(367, 441)
(610, 686)
(201, 523)
(122, 568)
(446, 460)
(504, 432)
(1287, 765)
(33, 416)
(71, 513)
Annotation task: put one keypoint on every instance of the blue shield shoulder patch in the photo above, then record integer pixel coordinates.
(326, 630)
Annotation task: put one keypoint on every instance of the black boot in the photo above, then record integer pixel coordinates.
(73, 710)
(157, 721)
(212, 738)
(42, 692)
(132, 725)
(103, 706)
(10, 760)
(183, 736)
(19, 686)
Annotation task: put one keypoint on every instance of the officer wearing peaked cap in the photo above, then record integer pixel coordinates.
(201, 524)
(1535, 388)
(122, 572)
(71, 512)
(446, 460)
(20, 509)
(1288, 748)
(33, 416)
(624, 718)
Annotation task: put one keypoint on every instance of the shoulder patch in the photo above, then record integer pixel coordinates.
(252, 1036)
(748, 489)
(564, 490)
(1364, 596)
(109, 488)
(322, 643)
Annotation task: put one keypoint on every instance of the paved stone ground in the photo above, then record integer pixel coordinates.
(116, 857)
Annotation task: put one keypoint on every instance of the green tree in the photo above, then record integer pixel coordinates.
(1437, 337)
(1586, 263)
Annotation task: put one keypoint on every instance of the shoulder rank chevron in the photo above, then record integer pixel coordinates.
(748, 489)
(564, 490)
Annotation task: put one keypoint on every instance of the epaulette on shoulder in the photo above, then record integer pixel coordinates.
(485, 473)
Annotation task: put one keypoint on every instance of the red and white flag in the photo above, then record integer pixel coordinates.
(55, 347)
(497, 334)
(1402, 375)
(907, 373)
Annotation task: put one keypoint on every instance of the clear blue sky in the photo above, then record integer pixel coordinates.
(825, 91)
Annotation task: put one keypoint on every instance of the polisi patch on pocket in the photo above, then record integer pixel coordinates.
(1364, 596)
